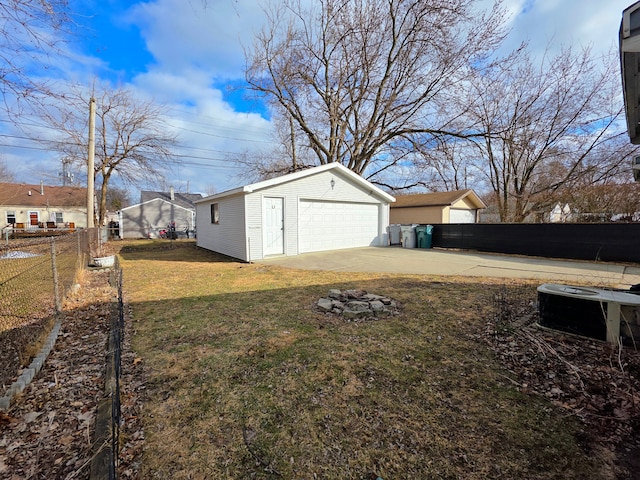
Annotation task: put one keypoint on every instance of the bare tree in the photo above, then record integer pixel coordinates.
(131, 140)
(117, 198)
(605, 202)
(358, 77)
(6, 174)
(546, 126)
(441, 163)
(286, 157)
(30, 30)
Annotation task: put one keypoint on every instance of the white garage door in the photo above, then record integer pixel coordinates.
(335, 225)
(457, 215)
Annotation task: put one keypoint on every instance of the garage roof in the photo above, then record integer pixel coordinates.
(438, 199)
(337, 167)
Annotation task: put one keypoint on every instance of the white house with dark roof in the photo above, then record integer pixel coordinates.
(32, 207)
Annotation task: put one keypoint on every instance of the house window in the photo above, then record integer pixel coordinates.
(59, 218)
(215, 213)
(11, 217)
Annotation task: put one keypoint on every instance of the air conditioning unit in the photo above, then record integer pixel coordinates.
(599, 313)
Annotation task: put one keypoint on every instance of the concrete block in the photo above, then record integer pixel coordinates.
(18, 386)
(27, 375)
(37, 363)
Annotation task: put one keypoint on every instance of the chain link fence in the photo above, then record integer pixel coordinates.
(104, 465)
(35, 275)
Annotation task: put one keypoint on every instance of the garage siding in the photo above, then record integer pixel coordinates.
(409, 215)
(228, 236)
(253, 202)
(313, 187)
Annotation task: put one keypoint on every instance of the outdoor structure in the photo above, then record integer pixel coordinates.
(458, 206)
(630, 68)
(561, 214)
(322, 208)
(31, 209)
(156, 212)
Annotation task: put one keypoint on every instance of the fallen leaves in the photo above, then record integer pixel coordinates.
(47, 431)
(592, 380)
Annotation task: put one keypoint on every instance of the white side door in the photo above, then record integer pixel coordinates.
(273, 225)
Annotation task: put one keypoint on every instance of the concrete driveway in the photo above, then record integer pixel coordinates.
(443, 262)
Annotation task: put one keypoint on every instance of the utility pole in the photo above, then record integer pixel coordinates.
(91, 162)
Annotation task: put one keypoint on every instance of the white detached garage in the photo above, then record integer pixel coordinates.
(322, 208)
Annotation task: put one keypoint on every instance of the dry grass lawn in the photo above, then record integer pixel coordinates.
(247, 380)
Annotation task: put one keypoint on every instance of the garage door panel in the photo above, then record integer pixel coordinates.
(335, 225)
(457, 215)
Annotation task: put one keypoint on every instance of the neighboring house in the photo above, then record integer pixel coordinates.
(561, 214)
(29, 207)
(322, 208)
(459, 206)
(156, 211)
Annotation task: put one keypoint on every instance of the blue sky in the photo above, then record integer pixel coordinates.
(188, 54)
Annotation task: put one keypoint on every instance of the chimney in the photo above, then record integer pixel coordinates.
(41, 187)
(172, 193)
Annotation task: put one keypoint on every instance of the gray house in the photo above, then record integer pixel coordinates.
(156, 211)
(322, 208)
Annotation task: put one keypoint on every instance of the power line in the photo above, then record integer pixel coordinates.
(221, 136)
(209, 134)
(25, 147)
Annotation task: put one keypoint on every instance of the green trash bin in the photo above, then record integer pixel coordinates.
(424, 234)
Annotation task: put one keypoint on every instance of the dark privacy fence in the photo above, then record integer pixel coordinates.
(614, 242)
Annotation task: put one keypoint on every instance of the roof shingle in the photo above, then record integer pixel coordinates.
(29, 195)
(435, 199)
(184, 200)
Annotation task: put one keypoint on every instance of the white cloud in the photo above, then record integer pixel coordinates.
(208, 127)
(196, 49)
(182, 34)
(592, 23)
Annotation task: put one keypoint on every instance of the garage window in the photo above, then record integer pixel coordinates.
(11, 217)
(215, 213)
